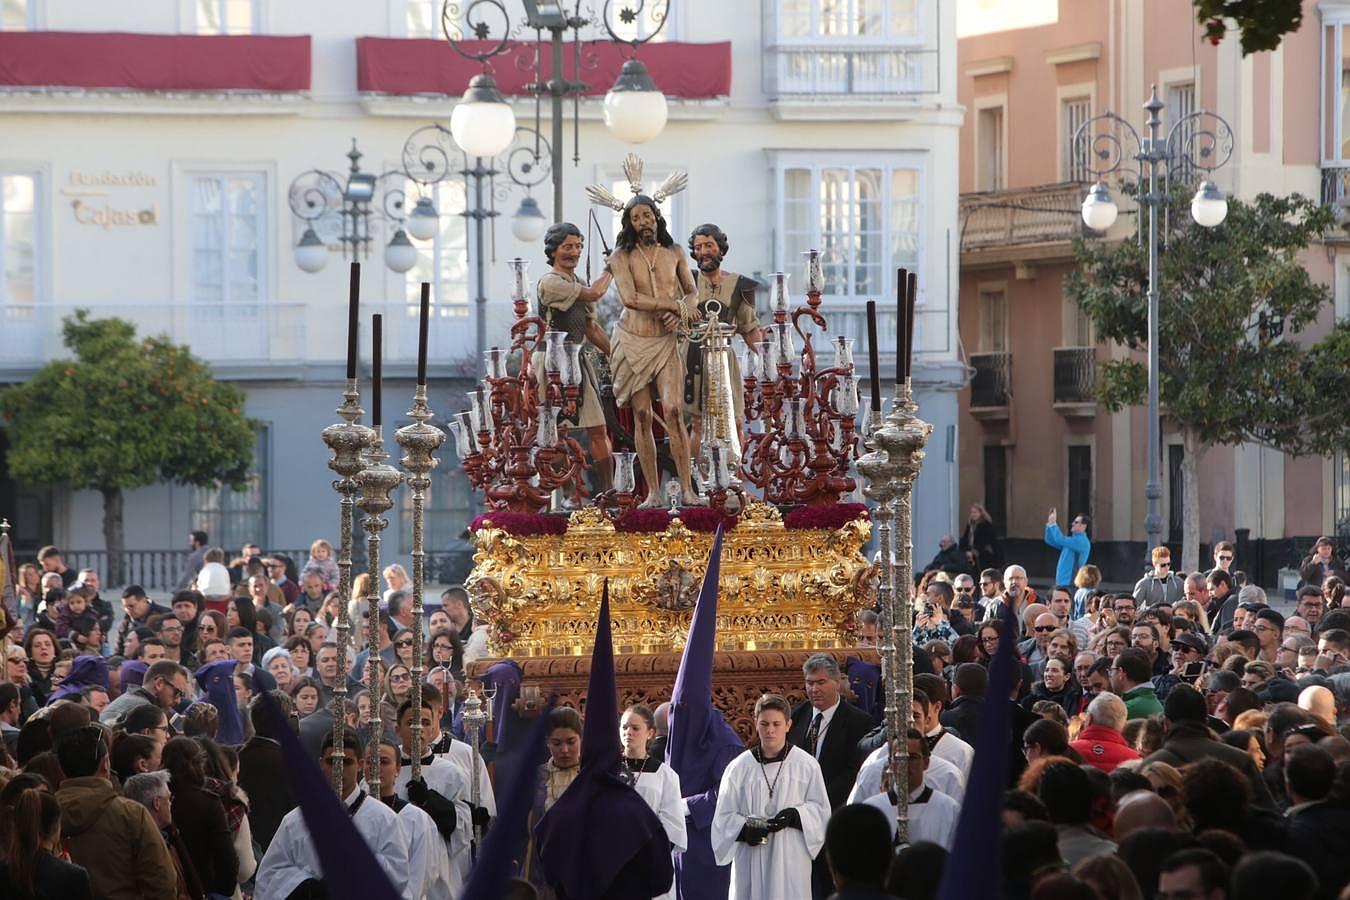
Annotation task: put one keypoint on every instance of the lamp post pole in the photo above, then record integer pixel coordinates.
(1153, 487)
(479, 214)
(1201, 141)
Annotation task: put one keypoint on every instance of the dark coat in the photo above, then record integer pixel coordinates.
(262, 775)
(1319, 834)
(1070, 697)
(53, 879)
(200, 819)
(1187, 742)
(963, 717)
(983, 541)
(839, 760)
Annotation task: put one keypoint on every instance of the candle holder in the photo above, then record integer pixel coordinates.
(512, 442)
(623, 496)
(348, 442)
(808, 412)
(419, 441)
(377, 481)
(891, 467)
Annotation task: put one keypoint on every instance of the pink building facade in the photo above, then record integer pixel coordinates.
(1031, 436)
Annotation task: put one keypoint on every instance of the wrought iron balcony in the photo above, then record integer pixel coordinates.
(1042, 214)
(1075, 379)
(991, 386)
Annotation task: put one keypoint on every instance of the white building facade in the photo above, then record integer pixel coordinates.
(136, 185)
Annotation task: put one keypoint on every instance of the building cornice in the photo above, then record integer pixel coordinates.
(1077, 53)
(997, 65)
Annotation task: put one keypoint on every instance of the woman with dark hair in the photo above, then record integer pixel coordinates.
(133, 754)
(33, 867)
(41, 647)
(222, 782)
(979, 540)
(9, 796)
(200, 817)
(305, 693)
(301, 655)
(445, 649)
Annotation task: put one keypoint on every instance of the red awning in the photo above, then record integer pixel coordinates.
(154, 62)
(422, 66)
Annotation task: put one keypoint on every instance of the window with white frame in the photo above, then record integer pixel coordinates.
(1073, 112)
(443, 260)
(18, 239)
(1180, 104)
(989, 153)
(422, 18)
(227, 238)
(234, 518)
(863, 218)
(847, 19)
(17, 15)
(228, 16)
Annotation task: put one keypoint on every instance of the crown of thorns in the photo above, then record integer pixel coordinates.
(632, 170)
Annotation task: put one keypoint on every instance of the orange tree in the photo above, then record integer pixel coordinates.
(125, 413)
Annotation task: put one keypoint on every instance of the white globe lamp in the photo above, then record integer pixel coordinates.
(483, 123)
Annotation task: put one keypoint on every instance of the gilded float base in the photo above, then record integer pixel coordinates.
(780, 588)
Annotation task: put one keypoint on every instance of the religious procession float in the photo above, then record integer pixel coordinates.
(775, 439)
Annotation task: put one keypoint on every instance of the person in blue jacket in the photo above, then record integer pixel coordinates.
(1073, 548)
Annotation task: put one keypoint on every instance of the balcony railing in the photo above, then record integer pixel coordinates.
(831, 69)
(159, 570)
(245, 333)
(1075, 376)
(1035, 215)
(991, 386)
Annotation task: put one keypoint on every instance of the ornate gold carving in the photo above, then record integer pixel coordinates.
(781, 589)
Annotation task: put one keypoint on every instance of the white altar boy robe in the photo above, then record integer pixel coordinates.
(661, 789)
(446, 779)
(941, 774)
(291, 859)
(932, 816)
(428, 857)
(780, 870)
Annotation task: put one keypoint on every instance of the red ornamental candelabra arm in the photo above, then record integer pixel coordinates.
(808, 350)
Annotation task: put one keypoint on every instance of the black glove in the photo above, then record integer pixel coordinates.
(788, 818)
(417, 791)
(481, 817)
(435, 804)
(752, 834)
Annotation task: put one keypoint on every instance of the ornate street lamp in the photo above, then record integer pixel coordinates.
(432, 154)
(339, 210)
(1201, 141)
(483, 123)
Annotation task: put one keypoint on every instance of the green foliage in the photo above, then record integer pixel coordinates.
(1232, 302)
(1263, 23)
(126, 413)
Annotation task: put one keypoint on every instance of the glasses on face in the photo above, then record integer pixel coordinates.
(991, 639)
(1263, 627)
(209, 628)
(1042, 629)
(403, 643)
(968, 589)
(1125, 607)
(1163, 564)
(1225, 557)
(399, 676)
(1115, 645)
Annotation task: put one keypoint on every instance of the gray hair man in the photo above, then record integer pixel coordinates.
(1100, 743)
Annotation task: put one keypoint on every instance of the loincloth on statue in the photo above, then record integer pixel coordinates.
(635, 361)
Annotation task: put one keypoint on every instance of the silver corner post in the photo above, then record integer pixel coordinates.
(377, 481)
(348, 442)
(419, 441)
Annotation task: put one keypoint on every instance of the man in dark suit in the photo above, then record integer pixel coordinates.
(829, 728)
(263, 775)
(968, 690)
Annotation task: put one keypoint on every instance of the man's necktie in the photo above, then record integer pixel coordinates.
(813, 734)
